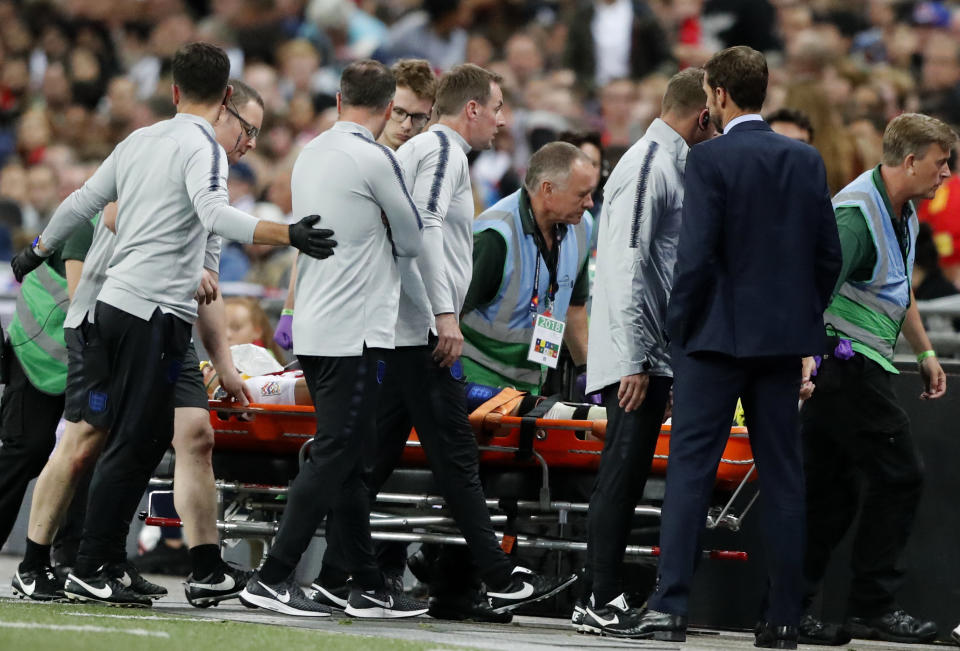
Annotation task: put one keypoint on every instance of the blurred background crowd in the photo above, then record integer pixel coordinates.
(77, 76)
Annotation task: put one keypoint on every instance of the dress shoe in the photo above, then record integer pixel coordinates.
(895, 626)
(776, 637)
(814, 631)
(652, 624)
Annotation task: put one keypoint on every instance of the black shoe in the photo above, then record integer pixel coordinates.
(383, 603)
(331, 597)
(225, 583)
(467, 606)
(648, 625)
(814, 631)
(896, 626)
(129, 577)
(105, 590)
(526, 587)
(955, 634)
(579, 610)
(612, 618)
(286, 598)
(776, 637)
(39, 585)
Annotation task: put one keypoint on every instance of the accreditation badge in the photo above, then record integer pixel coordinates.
(546, 341)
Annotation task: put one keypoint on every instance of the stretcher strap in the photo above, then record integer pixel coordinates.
(479, 415)
(528, 428)
(510, 508)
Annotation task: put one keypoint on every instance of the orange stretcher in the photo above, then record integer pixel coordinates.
(528, 463)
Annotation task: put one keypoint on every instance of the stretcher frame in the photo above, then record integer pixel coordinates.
(251, 511)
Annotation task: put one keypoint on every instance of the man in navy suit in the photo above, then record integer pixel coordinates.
(757, 261)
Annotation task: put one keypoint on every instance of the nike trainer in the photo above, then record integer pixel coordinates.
(329, 596)
(579, 610)
(130, 577)
(286, 598)
(225, 583)
(526, 587)
(105, 590)
(384, 602)
(608, 619)
(39, 585)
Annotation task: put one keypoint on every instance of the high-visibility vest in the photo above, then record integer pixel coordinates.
(36, 331)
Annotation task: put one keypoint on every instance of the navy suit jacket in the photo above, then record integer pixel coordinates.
(759, 254)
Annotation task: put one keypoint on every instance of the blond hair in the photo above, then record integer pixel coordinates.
(913, 133)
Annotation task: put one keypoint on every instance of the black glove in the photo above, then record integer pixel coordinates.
(315, 242)
(25, 262)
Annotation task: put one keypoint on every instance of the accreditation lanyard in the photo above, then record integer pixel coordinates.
(547, 335)
(553, 287)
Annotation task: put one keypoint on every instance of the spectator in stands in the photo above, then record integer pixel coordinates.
(435, 33)
(943, 214)
(614, 39)
(791, 123)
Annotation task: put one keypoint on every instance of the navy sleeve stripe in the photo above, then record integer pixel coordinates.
(398, 173)
(440, 171)
(215, 166)
(641, 195)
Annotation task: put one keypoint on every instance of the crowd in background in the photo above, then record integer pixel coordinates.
(77, 76)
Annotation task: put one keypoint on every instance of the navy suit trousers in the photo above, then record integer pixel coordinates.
(706, 388)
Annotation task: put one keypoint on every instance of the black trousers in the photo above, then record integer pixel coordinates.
(705, 392)
(345, 392)
(28, 430)
(624, 466)
(418, 392)
(854, 430)
(130, 368)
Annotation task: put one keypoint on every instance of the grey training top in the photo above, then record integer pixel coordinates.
(95, 272)
(170, 181)
(350, 300)
(636, 252)
(436, 282)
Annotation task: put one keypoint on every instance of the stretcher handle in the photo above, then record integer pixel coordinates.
(156, 521)
(232, 407)
(494, 421)
(716, 554)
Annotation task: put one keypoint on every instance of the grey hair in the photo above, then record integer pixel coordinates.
(552, 162)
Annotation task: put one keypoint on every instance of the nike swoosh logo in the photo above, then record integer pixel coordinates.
(28, 588)
(125, 580)
(282, 597)
(386, 604)
(603, 622)
(527, 591)
(227, 584)
(104, 592)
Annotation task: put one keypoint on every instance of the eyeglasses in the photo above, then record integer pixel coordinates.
(418, 120)
(251, 131)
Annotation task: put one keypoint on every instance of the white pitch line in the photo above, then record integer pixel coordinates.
(142, 632)
(172, 618)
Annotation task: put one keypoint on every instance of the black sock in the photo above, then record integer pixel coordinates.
(36, 557)
(205, 560)
(275, 571)
(86, 567)
(332, 577)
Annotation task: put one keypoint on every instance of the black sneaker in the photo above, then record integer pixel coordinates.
(955, 634)
(286, 598)
(39, 585)
(814, 631)
(895, 626)
(225, 583)
(105, 590)
(465, 606)
(331, 597)
(381, 603)
(615, 615)
(579, 610)
(129, 577)
(526, 587)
